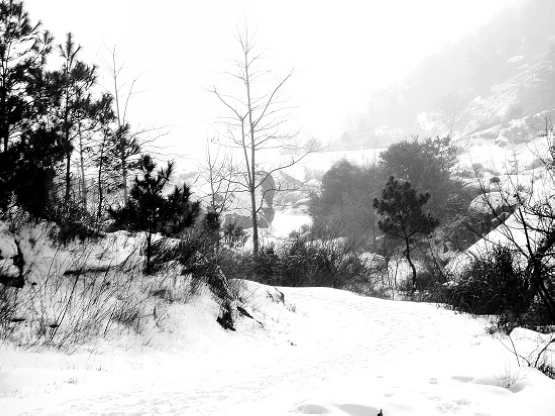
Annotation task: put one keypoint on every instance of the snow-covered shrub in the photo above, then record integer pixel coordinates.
(534, 349)
(492, 285)
(7, 309)
(80, 290)
(305, 259)
(73, 222)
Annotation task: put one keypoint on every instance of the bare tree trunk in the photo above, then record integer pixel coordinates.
(407, 255)
(252, 173)
(256, 124)
(124, 178)
(148, 250)
(4, 127)
(100, 187)
(82, 168)
(68, 175)
(254, 221)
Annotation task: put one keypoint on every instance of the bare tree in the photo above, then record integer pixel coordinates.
(528, 230)
(448, 111)
(256, 122)
(125, 143)
(218, 175)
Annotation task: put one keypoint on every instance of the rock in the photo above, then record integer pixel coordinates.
(373, 261)
(225, 319)
(537, 163)
(491, 205)
(12, 262)
(501, 141)
(240, 211)
(500, 219)
(265, 218)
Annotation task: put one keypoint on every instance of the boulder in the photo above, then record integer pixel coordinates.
(11, 260)
(240, 211)
(491, 205)
(244, 220)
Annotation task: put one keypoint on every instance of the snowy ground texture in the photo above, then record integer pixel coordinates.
(322, 351)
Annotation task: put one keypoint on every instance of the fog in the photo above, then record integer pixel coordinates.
(341, 53)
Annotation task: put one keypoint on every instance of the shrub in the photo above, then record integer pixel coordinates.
(492, 285)
(234, 236)
(74, 222)
(316, 258)
(345, 200)
(427, 165)
(148, 209)
(7, 309)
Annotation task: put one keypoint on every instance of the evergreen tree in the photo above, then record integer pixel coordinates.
(23, 51)
(345, 200)
(102, 158)
(125, 148)
(402, 217)
(38, 152)
(29, 142)
(427, 165)
(75, 79)
(150, 211)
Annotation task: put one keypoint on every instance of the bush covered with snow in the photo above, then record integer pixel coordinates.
(493, 285)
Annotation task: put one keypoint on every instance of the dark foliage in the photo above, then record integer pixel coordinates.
(149, 210)
(492, 286)
(315, 258)
(27, 171)
(402, 216)
(427, 165)
(345, 199)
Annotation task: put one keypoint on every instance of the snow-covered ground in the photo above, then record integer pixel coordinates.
(286, 221)
(322, 351)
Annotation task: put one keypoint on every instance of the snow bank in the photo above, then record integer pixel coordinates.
(301, 351)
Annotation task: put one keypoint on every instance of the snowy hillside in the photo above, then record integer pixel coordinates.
(321, 351)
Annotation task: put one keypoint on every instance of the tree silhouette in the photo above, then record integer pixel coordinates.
(258, 113)
(75, 79)
(401, 207)
(427, 165)
(23, 51)
(29, 143)
(345, 200)
(150, 211)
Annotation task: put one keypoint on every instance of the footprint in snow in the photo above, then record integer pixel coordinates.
(463, 379)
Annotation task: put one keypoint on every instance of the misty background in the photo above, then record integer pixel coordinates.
(366, 73)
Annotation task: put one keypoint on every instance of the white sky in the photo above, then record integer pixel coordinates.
(340, 50)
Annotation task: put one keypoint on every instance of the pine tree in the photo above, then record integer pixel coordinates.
(427, 165)
(125, 148)
(401, 208)
(29, 143)
(75, 79)
(150, 211)
(23, 50)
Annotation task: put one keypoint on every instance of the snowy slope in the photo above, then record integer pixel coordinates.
(322, 351)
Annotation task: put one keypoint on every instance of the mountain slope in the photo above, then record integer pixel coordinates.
(504, 71)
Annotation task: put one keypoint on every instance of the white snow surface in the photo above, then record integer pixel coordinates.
(322, 351)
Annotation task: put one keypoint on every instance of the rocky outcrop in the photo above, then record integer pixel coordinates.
(11, 260)
(492, 206)
(240, 211)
